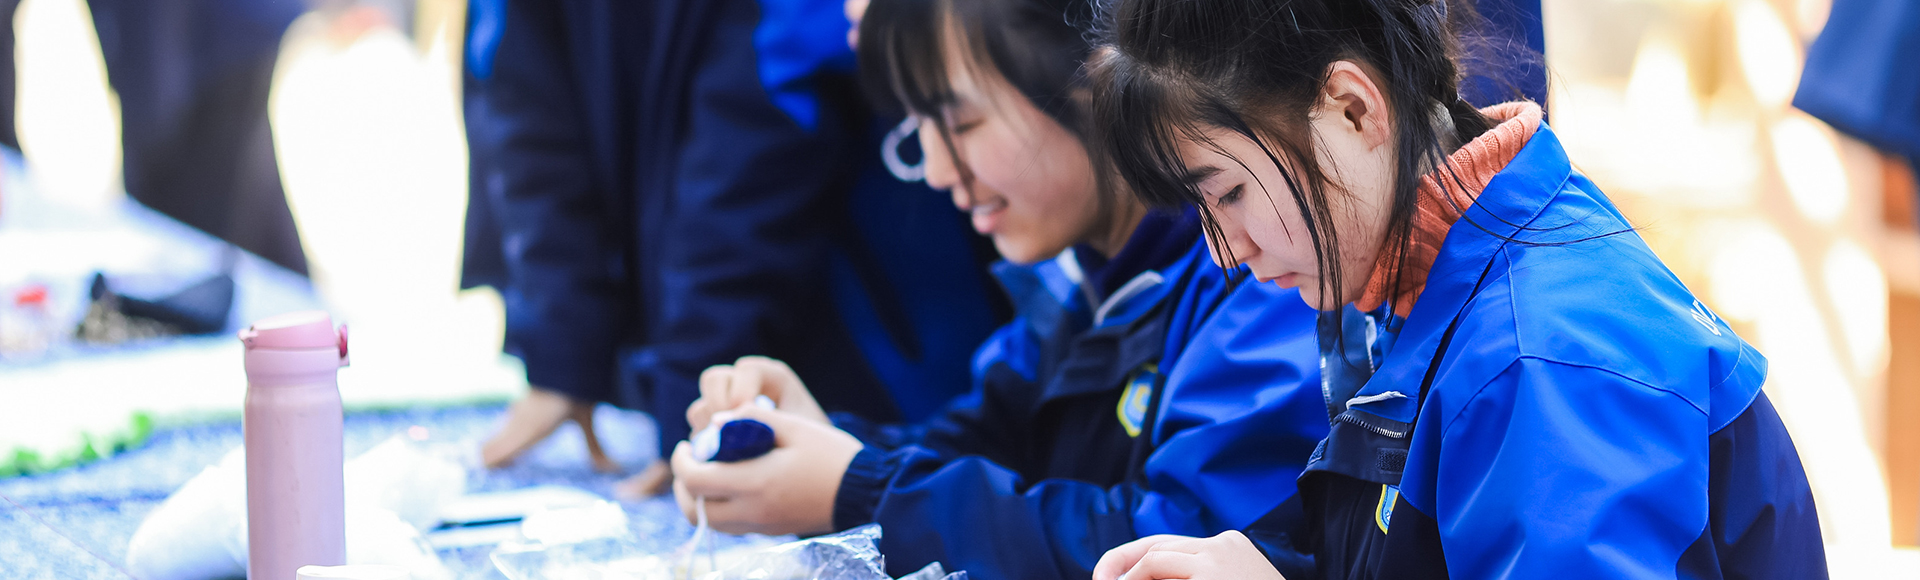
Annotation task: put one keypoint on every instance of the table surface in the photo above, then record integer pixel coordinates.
(76, 523)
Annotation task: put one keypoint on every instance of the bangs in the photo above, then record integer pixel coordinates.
(902, 65)
(909, 48)
(1151, 115)
(1147, 121)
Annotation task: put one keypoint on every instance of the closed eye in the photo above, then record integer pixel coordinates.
(1231, 196)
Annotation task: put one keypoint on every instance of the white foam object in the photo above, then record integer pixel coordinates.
(602, 519)
(394, 491)
(352, 572)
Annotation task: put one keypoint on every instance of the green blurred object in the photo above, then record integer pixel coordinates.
(82, 447)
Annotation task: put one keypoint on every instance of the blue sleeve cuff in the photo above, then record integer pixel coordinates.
(862, 487)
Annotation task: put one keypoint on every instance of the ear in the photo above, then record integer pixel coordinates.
(1352, 97)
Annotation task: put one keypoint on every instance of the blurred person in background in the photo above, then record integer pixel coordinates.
(1861, 77)
(192, 78)
(658, 187)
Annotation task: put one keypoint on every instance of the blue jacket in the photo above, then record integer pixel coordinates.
(1125, 399)
(663, 186)
(1860, 76)
(1559, 406)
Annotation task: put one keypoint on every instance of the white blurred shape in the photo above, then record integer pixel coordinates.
(1745, 273)
(1769, 56)
(1809, 162)
(67, 117)
(374, 159)
(1858, 289)
(1660, 90)
(1810, 16)
(1755, 276)
(375, 169)
(1652, 139)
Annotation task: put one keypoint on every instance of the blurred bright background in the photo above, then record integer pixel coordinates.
(367, 127)
(1803, 239)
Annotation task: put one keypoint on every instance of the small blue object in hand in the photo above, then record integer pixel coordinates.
(736, 440)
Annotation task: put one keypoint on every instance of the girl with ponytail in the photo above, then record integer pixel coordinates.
(1517, 386)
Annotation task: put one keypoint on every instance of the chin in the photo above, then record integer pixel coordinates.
(1024, 252)
(1311, 296)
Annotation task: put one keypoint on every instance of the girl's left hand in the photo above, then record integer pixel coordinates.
(790, 490)
(1228, 556)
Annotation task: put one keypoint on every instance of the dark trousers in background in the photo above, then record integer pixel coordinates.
(193, 78)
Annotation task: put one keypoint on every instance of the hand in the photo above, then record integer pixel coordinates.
(733, 387)
(655, 479)
(790, 490)
(531, 419)
(855, 9)
(1228, 555)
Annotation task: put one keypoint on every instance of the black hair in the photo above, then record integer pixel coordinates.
(1037, 46)
(1168, 70)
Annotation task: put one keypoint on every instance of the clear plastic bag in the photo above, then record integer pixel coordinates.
(850, 555)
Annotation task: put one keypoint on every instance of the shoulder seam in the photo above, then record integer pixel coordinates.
(1447, 426)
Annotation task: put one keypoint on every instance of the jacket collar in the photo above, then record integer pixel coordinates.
(1507, 209)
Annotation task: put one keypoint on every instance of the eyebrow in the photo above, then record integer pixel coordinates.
(1203, 173)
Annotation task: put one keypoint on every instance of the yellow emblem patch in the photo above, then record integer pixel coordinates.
(1134, 401)
(1383, 513)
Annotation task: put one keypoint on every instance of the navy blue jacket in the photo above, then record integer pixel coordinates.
(1557, 407)
(1136, 397)
(662, 186)
(1860, 75)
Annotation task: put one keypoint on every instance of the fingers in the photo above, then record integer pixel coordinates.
(656, 479)
(529, 421)
(689, 501)
(684, 498)
(1165, 565)
(773, 378)
(746, 382)
(779, 382)
(705, 478)
(718, 484)
(735, 517)
(714, 383)
(1117, 561)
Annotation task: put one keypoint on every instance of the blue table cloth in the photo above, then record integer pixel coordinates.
(75, 523)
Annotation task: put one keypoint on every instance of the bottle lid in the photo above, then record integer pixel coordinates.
(353, 572)
(309, 329)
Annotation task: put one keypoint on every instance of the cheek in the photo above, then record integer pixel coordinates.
(1271, 231)
(992, 155)
(1049, 188)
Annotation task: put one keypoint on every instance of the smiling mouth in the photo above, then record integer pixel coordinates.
(986, 216)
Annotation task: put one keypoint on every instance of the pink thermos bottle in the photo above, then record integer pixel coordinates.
(296, 493)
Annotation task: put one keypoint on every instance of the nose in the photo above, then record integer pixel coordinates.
(938, 161)
(1229, 238)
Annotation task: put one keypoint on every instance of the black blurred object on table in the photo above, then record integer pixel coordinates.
(112, 318)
